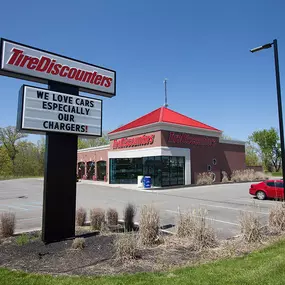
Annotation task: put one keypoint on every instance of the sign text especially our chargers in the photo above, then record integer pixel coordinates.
(42, 110)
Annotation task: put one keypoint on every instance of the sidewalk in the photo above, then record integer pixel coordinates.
(106, 184)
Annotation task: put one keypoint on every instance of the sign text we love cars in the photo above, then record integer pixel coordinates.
(42, 110)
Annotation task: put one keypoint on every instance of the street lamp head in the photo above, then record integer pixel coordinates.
(266, 46)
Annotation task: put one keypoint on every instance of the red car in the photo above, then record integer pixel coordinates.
(268, 189)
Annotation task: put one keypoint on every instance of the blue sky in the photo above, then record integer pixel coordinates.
(202, 47)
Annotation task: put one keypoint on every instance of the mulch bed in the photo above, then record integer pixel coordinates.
(97, 258)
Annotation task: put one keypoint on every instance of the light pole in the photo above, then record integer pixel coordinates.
(279, 101)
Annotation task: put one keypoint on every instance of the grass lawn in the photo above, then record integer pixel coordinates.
(278, 174)
(9, 177)
(264, 267)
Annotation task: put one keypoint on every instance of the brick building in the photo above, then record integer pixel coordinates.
(164, 144)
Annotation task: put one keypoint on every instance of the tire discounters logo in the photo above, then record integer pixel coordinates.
(182, 138)
(42, 111)
(29, 63)
(132, 142)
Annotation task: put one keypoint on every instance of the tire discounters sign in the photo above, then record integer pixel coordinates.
(42, 111)
(29, 63)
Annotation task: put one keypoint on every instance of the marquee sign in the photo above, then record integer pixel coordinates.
(183, 138)
(42, 111)
(132, 142)
(29, 63)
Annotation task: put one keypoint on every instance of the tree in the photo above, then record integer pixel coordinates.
(85, 143)
(268, 143)
(29, 160)
(8, 138)
(251, 155)
(225, 137)
(5, 162)
(41, 147)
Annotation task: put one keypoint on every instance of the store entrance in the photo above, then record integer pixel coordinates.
(81, 169)
(90, 170)
(101, 170)
(164, 170)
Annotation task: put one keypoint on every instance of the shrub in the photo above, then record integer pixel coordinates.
(185, 225)
(97, 218)
(7, 224)
(112, 217)
(204, 178)
(247, 175)
(260, 176)
(22, 239)
(81, 217)
(193, 226)
(225, 177)
(250, 225)
(126, 246)
(129, 215)
(149, 225)
(277, 217)
(78, 243)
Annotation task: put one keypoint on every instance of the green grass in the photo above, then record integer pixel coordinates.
(279, 174)
(9, 177)
(258, 268)
(22, 239)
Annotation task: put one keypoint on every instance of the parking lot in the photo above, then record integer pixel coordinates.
(223, 202)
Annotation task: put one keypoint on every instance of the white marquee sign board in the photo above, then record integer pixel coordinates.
(41, 110)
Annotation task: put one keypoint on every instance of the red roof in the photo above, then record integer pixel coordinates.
(164, 115)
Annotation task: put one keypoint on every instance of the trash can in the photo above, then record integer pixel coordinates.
(147, 182)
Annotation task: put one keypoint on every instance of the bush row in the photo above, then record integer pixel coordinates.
(246, 175)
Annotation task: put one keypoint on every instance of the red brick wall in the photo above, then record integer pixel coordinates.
(95, 156)
(203, 149)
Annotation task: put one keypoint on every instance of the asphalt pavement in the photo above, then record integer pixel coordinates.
(223, 202)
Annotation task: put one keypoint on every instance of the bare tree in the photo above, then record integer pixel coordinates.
(8, 138)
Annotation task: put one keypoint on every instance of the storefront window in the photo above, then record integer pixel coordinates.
(164, 170)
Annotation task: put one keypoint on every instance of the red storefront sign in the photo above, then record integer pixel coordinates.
(133, 142)
(182, 138)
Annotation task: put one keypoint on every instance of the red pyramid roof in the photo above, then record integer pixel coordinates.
(164, 115)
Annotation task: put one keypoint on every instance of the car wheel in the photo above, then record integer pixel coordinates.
(260, 195)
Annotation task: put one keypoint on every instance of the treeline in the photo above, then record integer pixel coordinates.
(263, 148)
(21, 158)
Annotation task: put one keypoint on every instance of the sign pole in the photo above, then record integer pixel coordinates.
(59, 199)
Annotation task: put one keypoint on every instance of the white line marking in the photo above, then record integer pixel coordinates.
(211, 219)
(20, 208)
(27, 219)
(28, 205)
(234, 209)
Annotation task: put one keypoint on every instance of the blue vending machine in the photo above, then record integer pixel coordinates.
(147, 182)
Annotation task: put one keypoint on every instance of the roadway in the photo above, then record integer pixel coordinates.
(223, 202)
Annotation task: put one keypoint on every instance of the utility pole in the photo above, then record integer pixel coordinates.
(165, 93)
(279, 101)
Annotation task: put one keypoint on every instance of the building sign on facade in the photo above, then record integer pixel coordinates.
(29, 63)
(42, 111)
(133, 142)
(188, 139)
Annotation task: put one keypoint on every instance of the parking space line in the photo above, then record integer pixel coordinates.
(208, 218)
(10, 206)
(270, 202)
(27, 219)
(29, 205)
(234, 209)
